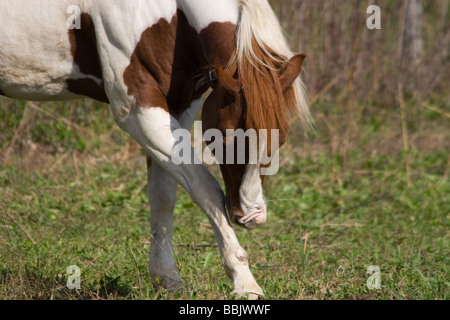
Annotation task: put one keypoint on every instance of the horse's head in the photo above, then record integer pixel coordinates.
(241, 100)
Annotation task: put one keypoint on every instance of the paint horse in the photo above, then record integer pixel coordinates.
(156, 63)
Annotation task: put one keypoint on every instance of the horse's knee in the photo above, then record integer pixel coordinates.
(162, 188)
(162, 197)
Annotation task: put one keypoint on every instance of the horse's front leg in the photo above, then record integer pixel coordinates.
(162, 195)
(153, 129)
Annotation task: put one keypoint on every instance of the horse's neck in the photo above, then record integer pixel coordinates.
(215, 22)
(201, 13)
(196, 51)
(188, 59)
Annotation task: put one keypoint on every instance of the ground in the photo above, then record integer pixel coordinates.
(73, 192)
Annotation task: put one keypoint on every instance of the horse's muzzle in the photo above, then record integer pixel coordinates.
(249, 221)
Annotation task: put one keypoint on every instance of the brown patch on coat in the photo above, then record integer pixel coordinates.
(187, 66)
(148, 75)
(171, 57)
(83, 47)
(219, 42)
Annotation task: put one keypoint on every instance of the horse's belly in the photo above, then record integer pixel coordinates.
(35, 57)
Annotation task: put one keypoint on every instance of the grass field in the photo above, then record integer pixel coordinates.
(347, 198)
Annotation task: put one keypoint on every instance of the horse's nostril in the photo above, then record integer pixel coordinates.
(251, 225)
(262, 217)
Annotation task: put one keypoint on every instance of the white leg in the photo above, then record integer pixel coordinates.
(152, 128)
(162, 194)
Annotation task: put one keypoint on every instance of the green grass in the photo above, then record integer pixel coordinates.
(331, 216)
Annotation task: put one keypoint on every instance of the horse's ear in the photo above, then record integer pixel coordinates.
(227, 82)
(292, 70)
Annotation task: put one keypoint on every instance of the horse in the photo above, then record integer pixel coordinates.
(157, 63)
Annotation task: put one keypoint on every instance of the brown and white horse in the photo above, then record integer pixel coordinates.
(154, 62)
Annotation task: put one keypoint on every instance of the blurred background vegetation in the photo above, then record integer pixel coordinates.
(397, 76)
(393, 83)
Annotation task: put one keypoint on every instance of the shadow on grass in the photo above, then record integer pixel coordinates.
(32, 286)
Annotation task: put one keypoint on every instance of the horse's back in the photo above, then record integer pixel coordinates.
(41, 59)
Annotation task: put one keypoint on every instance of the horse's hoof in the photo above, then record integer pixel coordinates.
(255, 294)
